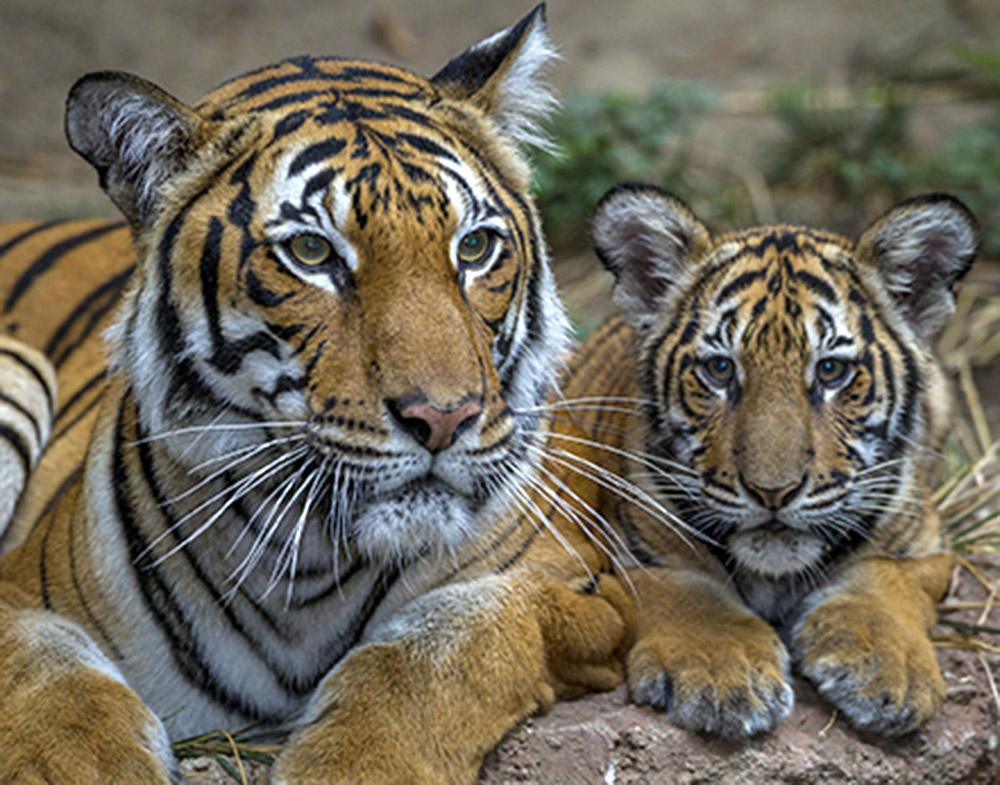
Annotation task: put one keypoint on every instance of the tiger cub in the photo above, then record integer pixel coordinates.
(298, 495)
(773, 392)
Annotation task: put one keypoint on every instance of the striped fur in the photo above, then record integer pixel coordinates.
(243, 511)
(777, 395)
(27, 404)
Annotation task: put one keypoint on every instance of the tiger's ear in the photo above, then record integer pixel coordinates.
(646, 238)
(920, 249)
(503, 76)
(133, 133)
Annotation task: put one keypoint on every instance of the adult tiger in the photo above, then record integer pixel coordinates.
(782, 400)
(328, 370)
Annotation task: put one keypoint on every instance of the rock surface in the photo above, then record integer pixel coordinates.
(605, 740)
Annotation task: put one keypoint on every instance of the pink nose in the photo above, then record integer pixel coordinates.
(436, 429)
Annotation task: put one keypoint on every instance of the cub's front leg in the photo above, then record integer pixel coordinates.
(703, 657)
(66, 714)
(439, 685)
(864, 642)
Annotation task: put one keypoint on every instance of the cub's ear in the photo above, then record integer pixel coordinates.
(920, 249)
(134, 134)
(503, 76)
(646, 238)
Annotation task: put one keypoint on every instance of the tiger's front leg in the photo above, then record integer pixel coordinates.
(66, 714)
(865, 643)
(437, 686)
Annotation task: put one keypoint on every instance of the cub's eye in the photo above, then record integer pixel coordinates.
(831, 371)
(310, 250)
(474, 247)
(719, 370)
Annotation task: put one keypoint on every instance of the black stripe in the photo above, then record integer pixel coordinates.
(30, 367)
(738, 284)
(338, 582)
(72, 423)
(227, 355)
(425, 145)
(817, 286)
(15, 440)
(20, 407)
(95, 622)
(94, 380)
(171, 524)
(20, 238)
(109, 290)
(316, 153)
(47, 260)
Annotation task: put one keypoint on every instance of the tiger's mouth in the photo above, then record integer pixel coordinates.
(428, 485)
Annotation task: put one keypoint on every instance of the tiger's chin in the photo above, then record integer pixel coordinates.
(423, 519)
(775, 551)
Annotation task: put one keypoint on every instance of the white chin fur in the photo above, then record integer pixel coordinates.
(410, 524)
(773, 554)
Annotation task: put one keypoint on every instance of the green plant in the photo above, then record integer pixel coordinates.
(603, 138)
(848, 154)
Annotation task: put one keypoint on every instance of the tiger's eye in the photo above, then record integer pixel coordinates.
(475, 246)
(831, 371)
(720, 370)
(310, 250)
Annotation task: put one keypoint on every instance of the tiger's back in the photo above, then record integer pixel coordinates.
(61, 282)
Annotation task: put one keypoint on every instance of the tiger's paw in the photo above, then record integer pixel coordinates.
(83, 728)
(878, 670)
(309, 765)
(585, 630)
(731, 681)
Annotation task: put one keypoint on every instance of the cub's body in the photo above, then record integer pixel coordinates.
(774, 392)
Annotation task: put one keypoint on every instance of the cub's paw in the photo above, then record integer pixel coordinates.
(878, 670)
(732, 680)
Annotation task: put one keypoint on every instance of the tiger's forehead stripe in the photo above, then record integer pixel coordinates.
(303, 79)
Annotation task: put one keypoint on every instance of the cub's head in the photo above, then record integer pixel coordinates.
(789, 368)
(340, 266)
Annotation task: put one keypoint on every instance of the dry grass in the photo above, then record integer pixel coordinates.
(231, 751)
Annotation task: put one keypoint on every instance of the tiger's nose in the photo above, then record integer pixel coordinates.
(436, 429)
(773, 498)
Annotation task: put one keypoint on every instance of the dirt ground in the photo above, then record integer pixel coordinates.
(738, 48)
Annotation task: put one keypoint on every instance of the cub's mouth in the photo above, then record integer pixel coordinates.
(774, 548)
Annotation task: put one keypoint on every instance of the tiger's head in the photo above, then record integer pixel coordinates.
(340, 264)
(788, 370)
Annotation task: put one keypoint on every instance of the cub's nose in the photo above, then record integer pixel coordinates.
(773, 498)
(436, 429)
